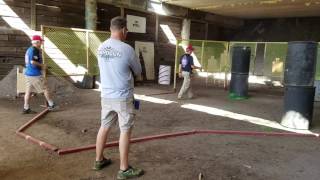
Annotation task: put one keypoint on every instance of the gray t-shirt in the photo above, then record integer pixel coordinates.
(117, 61)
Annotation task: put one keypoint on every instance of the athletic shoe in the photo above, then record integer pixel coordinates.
(129, 173)
(98, 165)
(28, 111)
(53, 107)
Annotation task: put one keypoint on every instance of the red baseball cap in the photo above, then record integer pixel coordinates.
(37, 38)
(189, 47)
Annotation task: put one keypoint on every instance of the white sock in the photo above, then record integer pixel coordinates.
(26, 106)
(50, 102)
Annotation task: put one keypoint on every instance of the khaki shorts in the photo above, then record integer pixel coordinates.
(36, 82)
(120, 110)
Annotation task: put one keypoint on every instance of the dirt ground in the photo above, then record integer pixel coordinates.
(217, 157)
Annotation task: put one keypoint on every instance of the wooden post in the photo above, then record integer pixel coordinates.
(175, 67)
(33, 23)
(206, 31)
(42, 53)
(185, 32)
(202, 54)
(91, 14)
(91, 24)
(122, 11)
(226, 69)
(157, 28)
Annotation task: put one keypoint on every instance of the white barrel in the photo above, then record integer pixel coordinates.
(317, 94)
(164, 74)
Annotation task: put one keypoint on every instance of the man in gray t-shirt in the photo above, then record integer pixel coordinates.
(118, 64)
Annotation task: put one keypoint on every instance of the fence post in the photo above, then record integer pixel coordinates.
(87, 52)
(42, 52)
(175, 67)
(202, 54)
(225, 67)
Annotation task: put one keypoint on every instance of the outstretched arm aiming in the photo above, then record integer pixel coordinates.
(193, 66)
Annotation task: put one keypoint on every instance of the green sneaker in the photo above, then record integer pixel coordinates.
(129, 173)
(98, 165)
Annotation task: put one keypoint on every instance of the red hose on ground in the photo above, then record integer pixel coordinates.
(33, 120)
(36, 141)
(64, 151)
(116, 143)
(253, 133)
(169, 135)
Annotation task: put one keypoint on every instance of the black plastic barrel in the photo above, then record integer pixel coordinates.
(299, 99)
(240, 72)
(239, 85)
(300, 64)
(240, 59)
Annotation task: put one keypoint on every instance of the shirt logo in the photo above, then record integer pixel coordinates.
(184, 62)
(109, 52)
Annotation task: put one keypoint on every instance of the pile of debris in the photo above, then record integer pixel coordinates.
(58, 86)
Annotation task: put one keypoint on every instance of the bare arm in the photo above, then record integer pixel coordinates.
(195, 67)
(36, 63)
(135, 65)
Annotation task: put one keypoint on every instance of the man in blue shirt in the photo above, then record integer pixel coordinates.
(33, 74)
(185, 71)
(118, 63)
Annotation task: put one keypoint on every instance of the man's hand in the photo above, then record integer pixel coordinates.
(196, 67)
(44, 66)
(180, 75)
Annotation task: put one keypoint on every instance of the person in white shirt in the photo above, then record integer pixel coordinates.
(118, 64)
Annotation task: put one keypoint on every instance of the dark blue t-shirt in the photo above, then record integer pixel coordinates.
(33, 54)
(186, 62)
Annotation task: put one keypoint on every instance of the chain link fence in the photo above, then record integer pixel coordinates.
(267, 58)
(71, 51)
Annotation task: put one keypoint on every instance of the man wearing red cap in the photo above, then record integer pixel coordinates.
(34, 65)
(185, 70)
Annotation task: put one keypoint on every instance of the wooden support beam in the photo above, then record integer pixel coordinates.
(206, 31)
(91, 14)
(122, 11)
(33, 8)
(157, 29)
